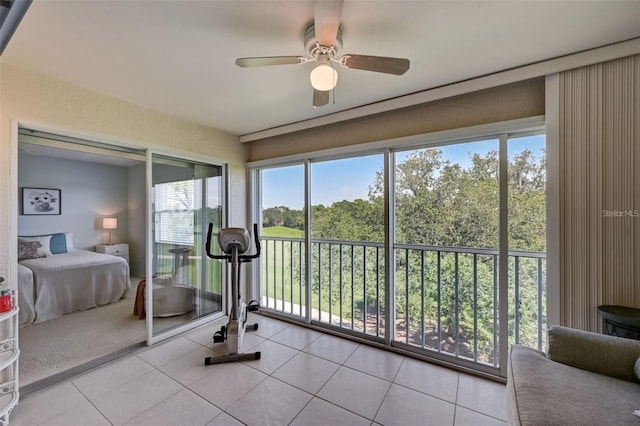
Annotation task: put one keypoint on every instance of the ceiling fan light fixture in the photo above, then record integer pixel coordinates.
(324, 77)
(324, 47)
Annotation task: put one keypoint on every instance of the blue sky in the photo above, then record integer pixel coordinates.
(349, 179)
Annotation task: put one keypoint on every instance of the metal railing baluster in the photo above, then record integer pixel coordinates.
(319, 281)
(422, 298)
(330, 282)
(282, 272)
(280, 262)
(475, 307)
(364, 289)
(439, 301)
(341, 287)
(300, 280)
(291, 276)
(540, 296)
(495, 310)
(406, 295)
(456, 305)
(516, 330)
(353, 313)
(266, 272)
(275, 276)
(377, 291)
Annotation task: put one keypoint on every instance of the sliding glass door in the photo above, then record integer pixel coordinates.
(347, 244)
(447, 250)
(185, 197)
(436, 249)
(283, 260)
(162, 207)
(469, 249)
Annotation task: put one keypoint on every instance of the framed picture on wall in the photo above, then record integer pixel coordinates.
(41, 201)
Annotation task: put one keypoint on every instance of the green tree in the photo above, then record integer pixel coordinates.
(438, 204)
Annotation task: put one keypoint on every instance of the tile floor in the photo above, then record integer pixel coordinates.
(303, 378)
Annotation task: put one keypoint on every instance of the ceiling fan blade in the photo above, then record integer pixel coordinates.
(397, 66)
(326, 20)
(269, 60)
(320, 97)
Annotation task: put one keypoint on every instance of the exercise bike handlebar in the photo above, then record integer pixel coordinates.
(241, 257)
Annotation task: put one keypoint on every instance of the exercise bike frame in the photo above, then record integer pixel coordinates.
(233, 333)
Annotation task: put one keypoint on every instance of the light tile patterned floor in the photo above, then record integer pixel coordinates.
(303, 378)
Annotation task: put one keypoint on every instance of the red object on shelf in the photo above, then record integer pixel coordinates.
(5, 302)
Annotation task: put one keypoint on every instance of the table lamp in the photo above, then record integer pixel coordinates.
(110, 223)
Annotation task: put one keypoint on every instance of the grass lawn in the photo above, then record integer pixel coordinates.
(282, 231)
(278, 279)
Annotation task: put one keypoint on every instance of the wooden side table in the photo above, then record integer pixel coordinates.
(620, 321)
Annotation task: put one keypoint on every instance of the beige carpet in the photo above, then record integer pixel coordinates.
(54, 346)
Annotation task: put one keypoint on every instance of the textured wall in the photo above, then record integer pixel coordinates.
(90, 191)
(37, 99)
(599, 190)
(508, 102)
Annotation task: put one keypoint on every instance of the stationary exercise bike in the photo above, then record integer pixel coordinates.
(234, 243)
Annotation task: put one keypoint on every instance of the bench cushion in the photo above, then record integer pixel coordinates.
(544, 392)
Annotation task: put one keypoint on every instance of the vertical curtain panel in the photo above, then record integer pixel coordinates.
(599, 190)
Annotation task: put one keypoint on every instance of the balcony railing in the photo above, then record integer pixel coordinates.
(446, 298)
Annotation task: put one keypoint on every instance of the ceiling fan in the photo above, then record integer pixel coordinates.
(323, 41)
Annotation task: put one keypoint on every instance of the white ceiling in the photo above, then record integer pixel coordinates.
(178, 57)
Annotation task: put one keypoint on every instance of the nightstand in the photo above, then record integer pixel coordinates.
(120, 250)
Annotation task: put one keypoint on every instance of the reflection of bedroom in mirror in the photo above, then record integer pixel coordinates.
(79, 271)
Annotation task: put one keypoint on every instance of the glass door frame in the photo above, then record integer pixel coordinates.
(113, 143)
(163, 335)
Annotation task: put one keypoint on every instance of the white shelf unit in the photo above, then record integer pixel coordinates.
(9, 355)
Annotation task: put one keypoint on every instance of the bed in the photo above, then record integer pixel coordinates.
(58, 284)
(27, 312)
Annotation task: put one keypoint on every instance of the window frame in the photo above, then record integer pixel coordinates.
(501, 131)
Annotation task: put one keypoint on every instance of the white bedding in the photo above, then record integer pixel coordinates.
(26, 295)
(74, 281)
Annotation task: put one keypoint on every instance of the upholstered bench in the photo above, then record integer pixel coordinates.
(584, 379)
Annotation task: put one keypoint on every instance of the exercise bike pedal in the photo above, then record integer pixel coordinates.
(219, 336)
(253, 306)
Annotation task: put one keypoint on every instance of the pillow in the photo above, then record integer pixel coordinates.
(58, 243)
(636, 368)
(45, 244)
(69, 240)
(28, 250)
